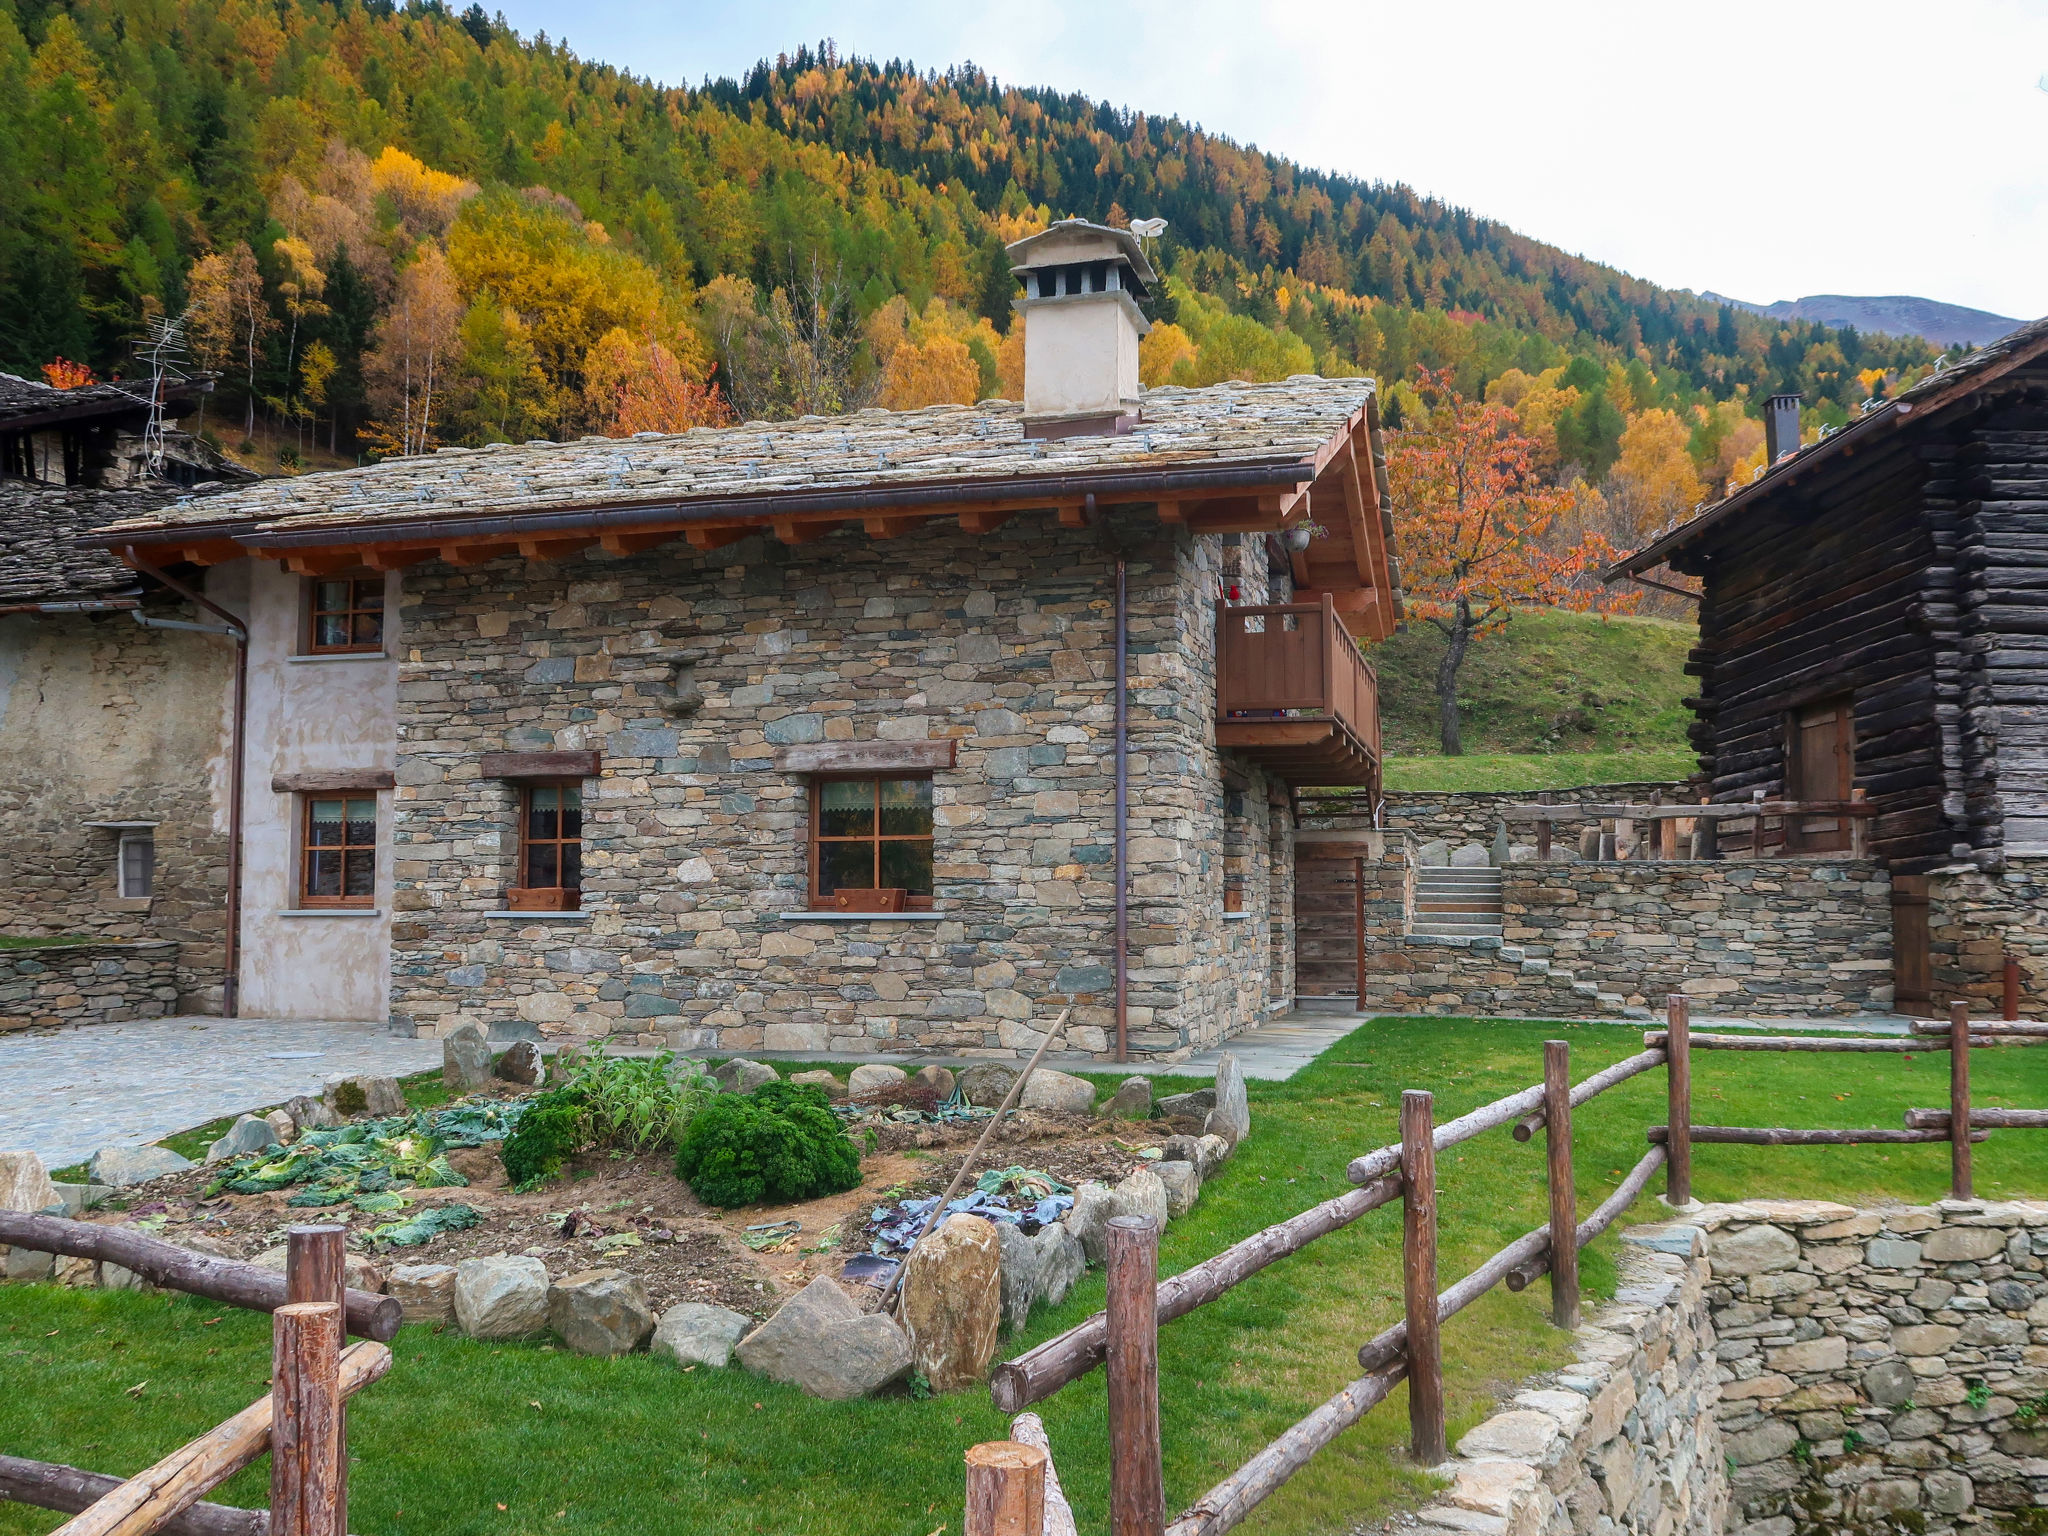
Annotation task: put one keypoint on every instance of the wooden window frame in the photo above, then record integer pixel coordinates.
(307, 848)
(527, 842)
(314, 613)
(820, 900)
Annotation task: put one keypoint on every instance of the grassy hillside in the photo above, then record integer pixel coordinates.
(1555, 699)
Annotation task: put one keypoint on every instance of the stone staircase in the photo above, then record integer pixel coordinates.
(1456, 902)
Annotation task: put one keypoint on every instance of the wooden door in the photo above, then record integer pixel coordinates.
(1912, 954)
(1821, 765)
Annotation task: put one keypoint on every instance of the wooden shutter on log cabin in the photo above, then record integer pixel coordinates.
(1912, 947)
(1820, 763)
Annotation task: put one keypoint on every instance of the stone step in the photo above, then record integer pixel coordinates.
(1434, 928)
(1457, 904)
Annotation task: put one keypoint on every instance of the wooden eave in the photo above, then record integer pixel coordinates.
(1340, 488)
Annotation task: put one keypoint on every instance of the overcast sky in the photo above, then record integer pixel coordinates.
(1762, 150)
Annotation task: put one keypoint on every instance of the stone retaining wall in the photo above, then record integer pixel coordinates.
(1882, 1370)
(1625, 1440)
(1975, 919)
(88, 983)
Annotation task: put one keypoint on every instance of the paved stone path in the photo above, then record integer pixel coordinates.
(66, 1093)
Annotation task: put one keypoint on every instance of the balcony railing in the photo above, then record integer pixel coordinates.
(1293, 665)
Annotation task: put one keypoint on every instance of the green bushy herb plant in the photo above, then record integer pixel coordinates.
(778, 1143)
(553, 1130)
(638, 1104)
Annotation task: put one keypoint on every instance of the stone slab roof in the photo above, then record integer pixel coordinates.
(28, 403)
(41, 558)
(981, 449)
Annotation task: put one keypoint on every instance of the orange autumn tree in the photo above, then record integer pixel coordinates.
(1474, 532)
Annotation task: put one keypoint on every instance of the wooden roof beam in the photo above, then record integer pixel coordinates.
(321, 562)
(885, 527)
(987, 521)
(703, 540)
(474, 554)
(790, 531)
(553, 549)
(635, 543)
(378, 558)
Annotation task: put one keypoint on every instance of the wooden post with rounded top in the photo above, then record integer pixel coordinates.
(305, 1428)
(1137, 1483)
(1678, 1099)
(1564, 1204)
(1418, 1278)
(1005, 1489)
(1959, 1180)
(316, 1269)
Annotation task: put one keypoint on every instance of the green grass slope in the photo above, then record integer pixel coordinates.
(1554, 700)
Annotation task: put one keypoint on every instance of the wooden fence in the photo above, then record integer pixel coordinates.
(1759, 828)
(302, 1422)
(1012, 1489)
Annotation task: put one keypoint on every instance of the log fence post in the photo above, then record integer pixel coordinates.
(1564, 1205)
(1678, 1098)
(1418, 1275)
(305, 1430)
(316, 1269)
(1959, 1181)
(1005, 1489)
(2010, 1000)
(1137, 1486)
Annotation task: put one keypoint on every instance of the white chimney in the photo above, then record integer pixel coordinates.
(1082, 283)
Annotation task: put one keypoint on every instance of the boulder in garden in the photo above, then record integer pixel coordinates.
(1470, 856)
(1186, 1106)
(248, 1134)
(1131, 1101)
(1058, 1091)
(938, 1079)
(1042, 1267)
(822, 1080)
(820, 1341)
(465, 1059)
(1093, 1205)
(874, 1077)
(1142, 1193)
(363, 1093)
(600, 1312)
(697, 1333)
(1232, 1117)
(24, 1183)
(506, 1032)
(1183, 1186)
(501, 1297)
(521, 1064)
(310, 1114)
(283, 1126)
(741, 1075)
(426, 1292)
(986, 1084)
(952, 1302)
(1211, 1153)
(125, 1167)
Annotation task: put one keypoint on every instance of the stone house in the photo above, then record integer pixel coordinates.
(1872, 622)
(898, 730)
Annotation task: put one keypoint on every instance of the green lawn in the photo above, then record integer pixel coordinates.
(468, 1438)
(1537, 770)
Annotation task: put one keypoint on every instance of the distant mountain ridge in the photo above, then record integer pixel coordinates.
(1945, 325)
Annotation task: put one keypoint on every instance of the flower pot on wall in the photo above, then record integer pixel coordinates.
(887, 899)
(543, 898)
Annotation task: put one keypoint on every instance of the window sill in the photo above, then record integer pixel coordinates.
(332, 912)
(540, 917)
(1235, 917)
(340, 656)
(864, 917)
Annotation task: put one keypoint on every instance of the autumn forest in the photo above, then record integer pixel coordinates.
(386, 229)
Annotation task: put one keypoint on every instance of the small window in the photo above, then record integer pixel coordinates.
(551, 838)
(348, 614)
(338, 864)
(136, 865)
(871, 835)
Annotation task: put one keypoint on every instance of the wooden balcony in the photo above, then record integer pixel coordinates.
(1295, 696)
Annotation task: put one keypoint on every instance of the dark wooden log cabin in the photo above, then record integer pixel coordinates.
(1874, 616)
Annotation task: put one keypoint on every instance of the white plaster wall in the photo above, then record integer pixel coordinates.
(306, 716)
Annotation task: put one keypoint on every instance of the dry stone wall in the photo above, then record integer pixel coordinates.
(109, 983)
(689, 672)
(1882, 1371)
(1623, 1441)
(1975, 918)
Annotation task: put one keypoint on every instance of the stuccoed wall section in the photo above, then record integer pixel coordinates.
(1882, 1370)
(688, 672)
(105, 720)
(1623, 1441)
(67, 984)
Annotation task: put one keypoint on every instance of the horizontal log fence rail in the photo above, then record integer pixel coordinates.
(301, 1422)
(1124, 1336)
(1684, 832)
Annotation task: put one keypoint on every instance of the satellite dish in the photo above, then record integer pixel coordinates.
(1148, 229)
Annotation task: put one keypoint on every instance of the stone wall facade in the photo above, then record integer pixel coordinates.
(110, 983)
(1882, 1370)
(106, 721)
(1975, 918)
(1623, 1441)
(688, 672)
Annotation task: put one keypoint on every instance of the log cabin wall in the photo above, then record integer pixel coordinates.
(1839, 590)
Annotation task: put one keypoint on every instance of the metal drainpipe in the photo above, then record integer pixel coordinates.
(238, 631)
(1123, 786)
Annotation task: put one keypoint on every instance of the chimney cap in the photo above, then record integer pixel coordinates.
(1077, 240)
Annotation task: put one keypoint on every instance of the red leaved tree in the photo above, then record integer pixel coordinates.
(1474, 519)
